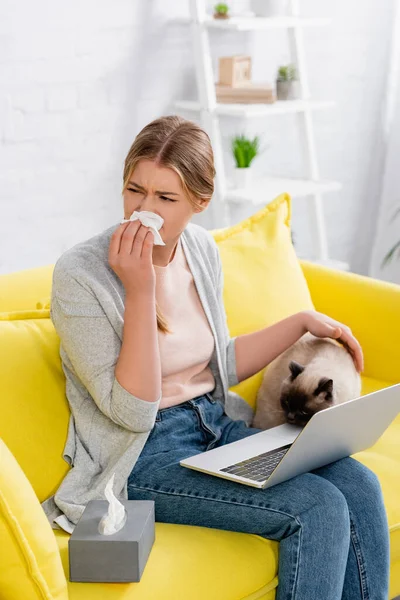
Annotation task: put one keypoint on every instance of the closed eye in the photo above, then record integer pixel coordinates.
(163, 197)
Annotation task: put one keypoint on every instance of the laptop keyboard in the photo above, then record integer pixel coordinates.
(259, 467)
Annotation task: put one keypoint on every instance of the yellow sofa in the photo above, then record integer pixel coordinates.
(186, 562)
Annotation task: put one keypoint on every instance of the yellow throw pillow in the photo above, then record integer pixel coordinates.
(263, 279)
(30, 562)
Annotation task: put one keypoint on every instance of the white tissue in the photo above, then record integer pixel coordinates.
(149, 219)
(115, 518)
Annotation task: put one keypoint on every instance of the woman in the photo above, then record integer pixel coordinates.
(149, 361)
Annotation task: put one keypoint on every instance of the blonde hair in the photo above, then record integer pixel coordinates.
(182, 145)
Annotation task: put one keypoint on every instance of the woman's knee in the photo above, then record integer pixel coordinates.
(363, 475)
(367, 489)
(329, 506)
(317, 507)
(357, 478)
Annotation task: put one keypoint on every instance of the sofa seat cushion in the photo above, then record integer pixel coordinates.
(204, 563)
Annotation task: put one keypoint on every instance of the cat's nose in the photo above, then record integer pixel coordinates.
(290, 416)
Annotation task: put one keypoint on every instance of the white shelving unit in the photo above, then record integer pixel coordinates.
(265, 188)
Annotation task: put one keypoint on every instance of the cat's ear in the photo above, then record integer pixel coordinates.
(295, 368)
(325, 385)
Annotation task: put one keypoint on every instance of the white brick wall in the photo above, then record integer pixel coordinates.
(78, 80)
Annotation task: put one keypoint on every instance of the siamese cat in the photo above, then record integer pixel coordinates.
(311, 375)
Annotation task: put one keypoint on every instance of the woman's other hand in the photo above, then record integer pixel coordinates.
(321, 325)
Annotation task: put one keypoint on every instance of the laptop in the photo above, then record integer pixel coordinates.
(280, 453)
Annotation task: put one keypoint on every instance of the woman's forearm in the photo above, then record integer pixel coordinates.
(138, 368)
(256, 350)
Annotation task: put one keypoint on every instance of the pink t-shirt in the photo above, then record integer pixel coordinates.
(186, 352)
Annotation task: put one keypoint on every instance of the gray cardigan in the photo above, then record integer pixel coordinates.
(108, 425)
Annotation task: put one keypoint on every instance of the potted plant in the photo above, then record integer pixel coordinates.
(396, 248)
(221, 11)
(269, 8)
(244, 151)
(287, 84)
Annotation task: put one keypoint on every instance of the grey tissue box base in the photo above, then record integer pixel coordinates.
(120, 557)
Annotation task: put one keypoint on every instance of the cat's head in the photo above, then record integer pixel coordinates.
(303, 395)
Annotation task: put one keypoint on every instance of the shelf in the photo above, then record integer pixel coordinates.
(266, 188)
(254, 23)
(258, 110)
(210, 108)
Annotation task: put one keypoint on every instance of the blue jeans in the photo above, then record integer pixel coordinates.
(331, 522)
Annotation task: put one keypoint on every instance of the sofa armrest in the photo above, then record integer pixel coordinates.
(30, 559)
(371, 307)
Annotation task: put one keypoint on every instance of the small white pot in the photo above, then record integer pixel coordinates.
(288, 90)
(269, 8)
(243, 177)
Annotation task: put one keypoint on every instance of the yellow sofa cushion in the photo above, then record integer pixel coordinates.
(188, 562)
(263, 279)
(31, 566)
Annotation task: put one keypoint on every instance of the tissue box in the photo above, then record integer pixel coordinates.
(119, 557)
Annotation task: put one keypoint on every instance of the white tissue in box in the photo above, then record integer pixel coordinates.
(149, 219)
(115, 517)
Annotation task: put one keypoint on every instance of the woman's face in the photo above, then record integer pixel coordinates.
(158, 190)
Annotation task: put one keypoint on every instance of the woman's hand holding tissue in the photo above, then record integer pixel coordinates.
(131, 257)
(151, 220)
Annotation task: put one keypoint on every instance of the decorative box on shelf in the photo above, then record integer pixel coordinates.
(235, 85)
(246, 94)
(234, 71)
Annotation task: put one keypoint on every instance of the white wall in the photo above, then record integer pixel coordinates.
(387, 231)
(78, 81)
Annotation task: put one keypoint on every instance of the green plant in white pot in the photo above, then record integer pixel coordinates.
(221, 11)
(395, 249)
(287, 83)
(244, 151)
